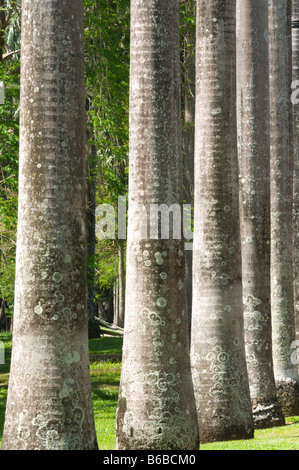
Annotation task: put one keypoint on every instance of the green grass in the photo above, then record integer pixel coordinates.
(105, 378)
(105, 367)
(108, 345)
(279, 438)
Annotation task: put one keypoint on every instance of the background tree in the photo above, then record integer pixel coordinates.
(156, 408)
(217, 341)
(9, 137)
(49, 398)
(282, 304)
(188, 13)
(295, 113)
(10, 28)
(254, 168)
(106, 65)
(107, 85)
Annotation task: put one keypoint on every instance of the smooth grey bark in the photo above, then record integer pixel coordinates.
(156, 408)
(282, 304)
(254, 172)
(295, 110)
(49, 405)
(217, 341)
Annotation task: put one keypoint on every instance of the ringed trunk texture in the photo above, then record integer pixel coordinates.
(49, 404)
(156, 409)
(217, 339)
(282, 303)
(254, 171)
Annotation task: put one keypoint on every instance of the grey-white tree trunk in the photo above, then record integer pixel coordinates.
(156, 408)
(49, 404)
(282, 304)
(217, 341)
(254, 170)
(295, 109)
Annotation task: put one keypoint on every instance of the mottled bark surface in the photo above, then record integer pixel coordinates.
(49, 403)
(282, 305)
(156, 407)
(254, 172)
(217, 344)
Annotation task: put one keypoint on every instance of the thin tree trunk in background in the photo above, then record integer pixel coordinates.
(121, 284)
(254, 169)
(295, 109)
(156, 408)
(217, 341)
(49, 404)
(282, 304)
(110, 310)
(2, 29)
(115, 302)
(188, 90)
(93, 327)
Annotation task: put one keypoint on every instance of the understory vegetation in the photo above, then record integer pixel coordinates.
(105, 368)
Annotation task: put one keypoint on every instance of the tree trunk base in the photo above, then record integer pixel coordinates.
(224, 433)
(267, 414)
(94, 329)
(287, 391)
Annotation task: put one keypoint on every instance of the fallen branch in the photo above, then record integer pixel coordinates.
(9, 55)
(108, 328)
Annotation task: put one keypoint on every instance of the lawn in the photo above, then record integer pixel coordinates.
(105, 366)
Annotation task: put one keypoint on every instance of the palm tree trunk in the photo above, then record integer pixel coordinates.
(217, 344)
(156, 408)
(282, 304)
(49, 404)
(254, 169)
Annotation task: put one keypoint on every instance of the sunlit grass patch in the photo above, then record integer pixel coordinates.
(105, 369)
(278, 438)
(105, 377)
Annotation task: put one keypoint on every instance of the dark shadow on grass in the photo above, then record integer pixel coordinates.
(105, 357)
(106, 345)
(105, 394)
(105, 401)
(99, 380)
